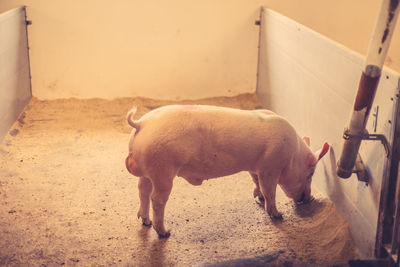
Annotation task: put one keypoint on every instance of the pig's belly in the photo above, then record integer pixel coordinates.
(196, 172)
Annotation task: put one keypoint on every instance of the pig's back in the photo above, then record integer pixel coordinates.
(189, 118)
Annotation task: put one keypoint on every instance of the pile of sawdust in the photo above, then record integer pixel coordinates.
(67, 199)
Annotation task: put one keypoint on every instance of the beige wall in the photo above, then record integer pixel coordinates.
(170, 49)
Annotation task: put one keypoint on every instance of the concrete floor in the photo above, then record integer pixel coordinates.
(67, 199)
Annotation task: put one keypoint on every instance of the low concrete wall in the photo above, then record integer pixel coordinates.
(15, 87)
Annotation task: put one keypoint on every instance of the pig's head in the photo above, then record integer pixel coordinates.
(296, 181)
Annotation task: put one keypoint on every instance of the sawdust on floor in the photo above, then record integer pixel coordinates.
(67, 199)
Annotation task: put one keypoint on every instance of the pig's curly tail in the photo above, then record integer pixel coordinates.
(129, 118)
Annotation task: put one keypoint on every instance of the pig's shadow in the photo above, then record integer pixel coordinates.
(310, 209)
(301, 210)
(152, 250)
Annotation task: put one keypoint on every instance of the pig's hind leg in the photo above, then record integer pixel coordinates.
(162, 186)
(145, 188)
(257, 192)
(268, 183)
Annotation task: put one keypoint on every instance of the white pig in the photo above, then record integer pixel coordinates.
(199, 142)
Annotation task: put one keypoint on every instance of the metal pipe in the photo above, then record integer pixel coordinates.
(377, 50)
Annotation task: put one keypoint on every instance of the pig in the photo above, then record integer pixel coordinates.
(200, 142)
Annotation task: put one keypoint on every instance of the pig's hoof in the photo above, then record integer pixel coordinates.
(164, 235)
(146, 222)
(145, 218)
(257, 193)
(260, 201)
(275, 216)
(305, 201)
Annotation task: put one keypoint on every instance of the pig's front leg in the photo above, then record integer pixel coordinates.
(161, 190)
(145, 188)
(268, 182)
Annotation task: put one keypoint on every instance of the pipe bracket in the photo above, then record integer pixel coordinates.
(373, 137)
(361, 170)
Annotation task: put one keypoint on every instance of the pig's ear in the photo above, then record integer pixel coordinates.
(320, 153)
(306, 140)
(315, 157)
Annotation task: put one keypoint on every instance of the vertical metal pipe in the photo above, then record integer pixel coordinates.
(377, 50)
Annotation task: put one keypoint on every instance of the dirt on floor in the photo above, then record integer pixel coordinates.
(67, 199)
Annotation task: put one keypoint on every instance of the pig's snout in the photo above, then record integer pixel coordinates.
(304, 199)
